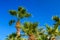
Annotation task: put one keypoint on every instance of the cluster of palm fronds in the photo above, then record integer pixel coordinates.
(31, 29)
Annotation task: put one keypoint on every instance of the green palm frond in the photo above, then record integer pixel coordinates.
(27, 15)
(48, 29)
(56, 18)
(59, 21)
(41, 31)
(11, 22)
(35, 24)
(21, 13)
(20, 8)
(56, 27)
(13, 12)
(12, 35)
(26, 24)
(59, 33)
(30, 27)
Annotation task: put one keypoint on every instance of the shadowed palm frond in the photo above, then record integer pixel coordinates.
(21, 13)
(11, 22)
(59, 33)
(49, 29)
(12, 35)
(40, 29)
(13, 12)
(27, 15)
(20, 8)
(56, 18)
(35, 24)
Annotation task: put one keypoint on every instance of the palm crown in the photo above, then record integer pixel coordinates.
(21, 13)
(30, 27)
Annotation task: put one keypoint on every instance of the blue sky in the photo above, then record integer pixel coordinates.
(41, 10)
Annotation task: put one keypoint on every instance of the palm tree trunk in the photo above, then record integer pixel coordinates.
(31, 37)
(18, 28)
(53, 38)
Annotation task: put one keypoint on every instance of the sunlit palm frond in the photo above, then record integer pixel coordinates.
(56, 27)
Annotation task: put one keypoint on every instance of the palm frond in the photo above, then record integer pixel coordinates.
(20, 8)
(48, 29)
(30, 27)
(11, 22)
(59, 33)
(40, 29)
(56, 26)
(56, 18)
(23, 13)
(13, 12)
(27, 15)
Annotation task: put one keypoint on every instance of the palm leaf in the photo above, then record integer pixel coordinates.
(56, 26)
(59, 33)
(27, 15)
(20, 8)
(23, 11)
(56, 18)
(49, 29)
(11, 22)
(13, 12)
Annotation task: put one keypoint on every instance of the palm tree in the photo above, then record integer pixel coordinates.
(41, 34)
(30, 29)
(53, 31)
(21, 13)
(13, 37)
(57, 22)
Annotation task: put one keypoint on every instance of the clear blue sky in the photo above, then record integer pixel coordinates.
(41, 10)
